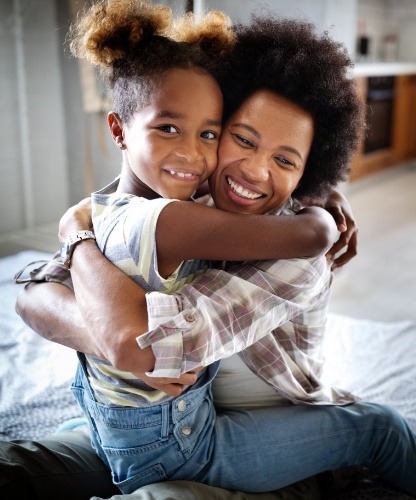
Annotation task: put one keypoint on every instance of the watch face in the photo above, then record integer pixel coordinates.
(64, 252)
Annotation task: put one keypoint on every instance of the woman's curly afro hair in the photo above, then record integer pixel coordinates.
(287, 57)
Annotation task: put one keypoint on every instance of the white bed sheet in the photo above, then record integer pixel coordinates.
(374, 360)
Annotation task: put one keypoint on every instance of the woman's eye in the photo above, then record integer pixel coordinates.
(243, 141)
(209, 135)
(169, 129)
(284, 162)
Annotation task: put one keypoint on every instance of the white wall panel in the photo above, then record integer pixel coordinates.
(35, 182)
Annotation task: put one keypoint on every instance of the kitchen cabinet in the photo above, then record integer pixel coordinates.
(403, 128)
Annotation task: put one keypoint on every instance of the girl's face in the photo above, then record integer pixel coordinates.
(262, 154)
(170, 146)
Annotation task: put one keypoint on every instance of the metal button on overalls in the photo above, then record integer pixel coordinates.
(186, 430)
(182, 405)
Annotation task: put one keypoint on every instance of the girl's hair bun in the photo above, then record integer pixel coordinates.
(213, 32)
(111, 29)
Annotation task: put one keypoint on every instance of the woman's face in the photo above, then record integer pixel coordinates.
(262, 154)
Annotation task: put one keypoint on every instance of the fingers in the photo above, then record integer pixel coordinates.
(174, 390)
(186, 379)
(350, 252)
(339, 217)
(75, 219)
(171, 386)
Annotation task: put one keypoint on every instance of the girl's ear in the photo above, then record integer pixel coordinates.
(116, 128)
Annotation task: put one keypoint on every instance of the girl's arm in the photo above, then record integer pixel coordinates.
(187, 230)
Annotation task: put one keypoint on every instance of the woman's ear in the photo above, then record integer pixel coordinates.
(116, 129)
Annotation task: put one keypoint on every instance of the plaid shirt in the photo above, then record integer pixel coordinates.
(272, 312)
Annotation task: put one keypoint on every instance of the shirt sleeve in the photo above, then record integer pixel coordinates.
(222, 313)
(53, 271)
(290, 359)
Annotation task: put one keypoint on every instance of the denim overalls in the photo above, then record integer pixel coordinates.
(148, 444)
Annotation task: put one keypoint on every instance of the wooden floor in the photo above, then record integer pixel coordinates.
(379, 284)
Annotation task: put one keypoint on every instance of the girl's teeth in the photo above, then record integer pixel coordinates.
(182, 175)
(244, 193)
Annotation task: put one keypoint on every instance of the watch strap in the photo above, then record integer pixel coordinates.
(72, 241)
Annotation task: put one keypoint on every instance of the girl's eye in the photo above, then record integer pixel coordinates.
(209, 135)
(169, 129)
(243, 141)
(284, 162)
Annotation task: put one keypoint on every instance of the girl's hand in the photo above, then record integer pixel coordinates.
(346, 247)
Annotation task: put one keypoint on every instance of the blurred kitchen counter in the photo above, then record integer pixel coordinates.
(383, 68)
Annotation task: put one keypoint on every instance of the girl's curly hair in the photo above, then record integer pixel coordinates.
(134, 43)
(287, 57)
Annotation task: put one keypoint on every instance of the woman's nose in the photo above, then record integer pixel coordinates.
(256, 169)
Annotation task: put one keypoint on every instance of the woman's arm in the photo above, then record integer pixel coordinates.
(127, 327)
(50, 309)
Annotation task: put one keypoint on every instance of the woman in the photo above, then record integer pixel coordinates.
(268, 448)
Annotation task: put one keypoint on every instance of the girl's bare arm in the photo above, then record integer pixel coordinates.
(187, 230)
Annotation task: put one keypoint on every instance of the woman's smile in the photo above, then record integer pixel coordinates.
(240, 193)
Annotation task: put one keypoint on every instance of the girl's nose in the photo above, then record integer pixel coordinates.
(189, 150)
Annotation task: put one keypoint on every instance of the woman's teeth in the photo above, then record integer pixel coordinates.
(244, 193)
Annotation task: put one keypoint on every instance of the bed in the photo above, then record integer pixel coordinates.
(374, 360)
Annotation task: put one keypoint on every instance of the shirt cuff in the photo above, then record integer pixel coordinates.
(161, 308)
(166, 340)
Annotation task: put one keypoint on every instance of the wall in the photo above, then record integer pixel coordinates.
(178, 7)
(53, 152)
(385, 18)
(336, 16)
(33, 166)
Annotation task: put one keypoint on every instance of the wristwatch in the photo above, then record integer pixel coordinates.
(68, 247)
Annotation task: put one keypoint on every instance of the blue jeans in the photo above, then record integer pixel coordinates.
(253, 451)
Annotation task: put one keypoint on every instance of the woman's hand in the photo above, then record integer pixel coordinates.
(346, 247)
(76, 218)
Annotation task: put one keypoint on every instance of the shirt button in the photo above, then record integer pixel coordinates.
(190, 318)
(186, 430)
(182, 405)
